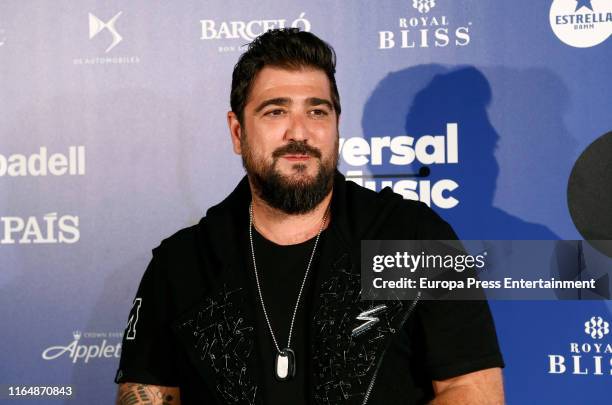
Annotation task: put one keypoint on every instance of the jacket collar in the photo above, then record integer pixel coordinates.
(227, 220)
(351, 217)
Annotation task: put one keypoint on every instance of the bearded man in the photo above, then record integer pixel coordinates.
(259, 303)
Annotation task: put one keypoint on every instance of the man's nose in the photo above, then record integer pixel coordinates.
(297, 129)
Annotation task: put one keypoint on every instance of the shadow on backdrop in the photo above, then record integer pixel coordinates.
(423, 100)
(536, 153)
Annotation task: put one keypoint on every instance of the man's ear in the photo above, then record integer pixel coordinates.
(235, 131)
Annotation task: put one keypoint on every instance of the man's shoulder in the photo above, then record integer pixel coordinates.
(181, 240)
(402, 217)
(367, 196)
(364, 199)
(179, 259)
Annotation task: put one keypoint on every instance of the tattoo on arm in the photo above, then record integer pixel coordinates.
(143, 394)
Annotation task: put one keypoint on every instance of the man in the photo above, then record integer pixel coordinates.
(258, 303)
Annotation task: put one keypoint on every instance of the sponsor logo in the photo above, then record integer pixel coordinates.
(78, 351)
(50, 229)
(581, 23)
(246, 30)
(401, 151)
(43, 163)
(424, 6)
(586, 358)
(424, 30)
(96, 26)
(596, 327)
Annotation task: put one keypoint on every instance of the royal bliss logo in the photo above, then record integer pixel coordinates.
(423, 6)
(425, 28)
(592, 357)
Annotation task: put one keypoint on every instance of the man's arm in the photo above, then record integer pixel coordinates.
(480, 387)
(135, 394)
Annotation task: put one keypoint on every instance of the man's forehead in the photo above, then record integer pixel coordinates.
(302, 83)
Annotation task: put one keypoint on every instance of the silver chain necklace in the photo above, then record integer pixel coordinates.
(284, 363)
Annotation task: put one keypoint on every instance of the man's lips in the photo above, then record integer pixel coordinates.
(296, 158)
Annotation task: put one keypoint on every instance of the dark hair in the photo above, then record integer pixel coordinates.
(287, 48)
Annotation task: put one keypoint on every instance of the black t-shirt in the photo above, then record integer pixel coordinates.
(281, 271)
(439, 340)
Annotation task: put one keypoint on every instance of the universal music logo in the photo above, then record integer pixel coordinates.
(404, 150)
(77, 351)
(98, 26)
(423, 28)
(591, 357)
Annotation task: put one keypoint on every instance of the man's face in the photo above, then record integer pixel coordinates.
(289, 138)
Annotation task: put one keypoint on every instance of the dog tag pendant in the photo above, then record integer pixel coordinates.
(284, 366)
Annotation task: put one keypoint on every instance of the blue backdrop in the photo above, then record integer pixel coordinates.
(113, 136)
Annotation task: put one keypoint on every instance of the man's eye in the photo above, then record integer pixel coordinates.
(318, 112)
(276, 113)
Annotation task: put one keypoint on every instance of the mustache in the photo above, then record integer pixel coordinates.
(297, 148)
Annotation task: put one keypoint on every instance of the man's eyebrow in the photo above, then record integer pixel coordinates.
(312, 101)
(284, 101)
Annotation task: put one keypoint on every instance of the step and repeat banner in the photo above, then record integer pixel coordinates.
(113, 136)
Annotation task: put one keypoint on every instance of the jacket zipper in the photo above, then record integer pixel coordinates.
(371, 385)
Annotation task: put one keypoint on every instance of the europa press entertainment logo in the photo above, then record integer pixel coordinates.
(592, 357)
(581, 23)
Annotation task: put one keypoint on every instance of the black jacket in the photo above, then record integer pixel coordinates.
(194, 324)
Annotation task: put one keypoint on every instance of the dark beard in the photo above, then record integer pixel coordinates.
(290, 196)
